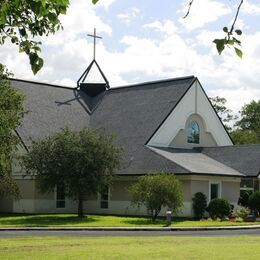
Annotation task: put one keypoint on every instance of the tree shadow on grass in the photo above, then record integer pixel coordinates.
(161, 221)
(45, 220)
(144, 222)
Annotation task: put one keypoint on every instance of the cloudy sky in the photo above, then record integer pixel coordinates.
(149, 40)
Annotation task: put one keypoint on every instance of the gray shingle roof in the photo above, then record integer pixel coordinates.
(196, 162)
(243, 158)
(50, 108)
(132, 114)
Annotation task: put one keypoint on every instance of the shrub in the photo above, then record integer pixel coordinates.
(218, 208)
(199, 204)
(156, 191)
(254, 202)
(243, 213)
(243, 199)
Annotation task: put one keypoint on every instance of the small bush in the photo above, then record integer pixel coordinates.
(254, 202)
(199, 204)
(218, 208)
(243, 213)
(157, 190)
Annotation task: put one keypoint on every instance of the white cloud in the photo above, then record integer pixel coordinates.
(81, 16)
(236, 98)
(250, 8)
(68, 53)
(129, 15)
(167, 27)
(64, 53)
(203, 12)
(105, 3)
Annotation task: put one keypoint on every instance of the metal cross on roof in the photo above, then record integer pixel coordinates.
(95, 37)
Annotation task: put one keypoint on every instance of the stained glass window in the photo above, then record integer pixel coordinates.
(193, 133)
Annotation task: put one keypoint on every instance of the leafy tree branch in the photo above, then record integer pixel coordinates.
(230, 40)
(22, 20)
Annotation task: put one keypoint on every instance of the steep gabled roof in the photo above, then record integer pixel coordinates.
(50, 108)
(133, 113)
(243, 158)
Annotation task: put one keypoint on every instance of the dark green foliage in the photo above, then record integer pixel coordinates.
(243, 199)
(8, 186)
(218, 208)
(254, 202)
(250, 121)
(11, 113)
(199, 204)
(157, 190)
(21, 20)
(219, 104)
(244, 137)
(247, 129)
(82, 162)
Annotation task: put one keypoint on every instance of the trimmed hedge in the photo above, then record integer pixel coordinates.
(218, 208)
(199, 204)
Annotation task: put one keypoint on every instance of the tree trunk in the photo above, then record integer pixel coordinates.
(80, 206)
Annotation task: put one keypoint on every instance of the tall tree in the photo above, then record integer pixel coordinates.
(250, 114)
(219, 104)
(248, 127)
(81, 162)
(11, 113)
(157, 190)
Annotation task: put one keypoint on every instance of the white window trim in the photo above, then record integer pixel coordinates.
(246, 188)
(219, 189)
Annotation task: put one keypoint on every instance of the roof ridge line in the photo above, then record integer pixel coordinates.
(42, 83)
(223, 146)
(151, 82)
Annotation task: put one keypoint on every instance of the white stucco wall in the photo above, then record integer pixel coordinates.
(120, 202)
(194, 102)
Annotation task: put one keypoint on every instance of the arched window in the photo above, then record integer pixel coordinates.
(193, 133)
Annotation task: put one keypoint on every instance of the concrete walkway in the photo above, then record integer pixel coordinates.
(129, 228)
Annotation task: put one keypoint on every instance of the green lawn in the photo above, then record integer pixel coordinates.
(61, 220)
(242, 247)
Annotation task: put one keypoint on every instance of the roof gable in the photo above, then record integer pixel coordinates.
(194, 103)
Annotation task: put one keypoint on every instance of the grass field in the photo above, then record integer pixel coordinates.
(61, 220)
(243, 247)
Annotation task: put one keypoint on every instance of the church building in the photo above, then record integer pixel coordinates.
(166, 125)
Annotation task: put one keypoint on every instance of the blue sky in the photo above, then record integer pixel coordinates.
(147, 40)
